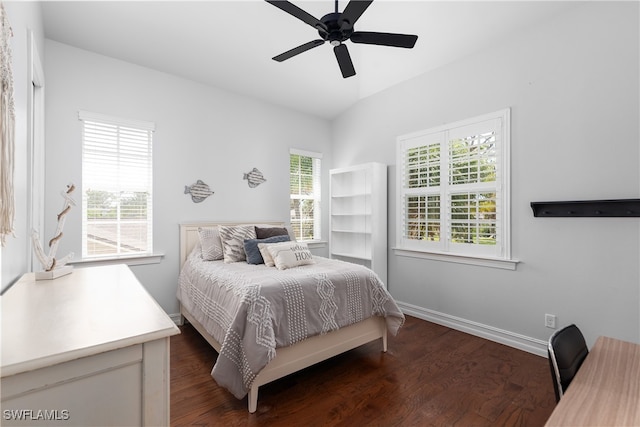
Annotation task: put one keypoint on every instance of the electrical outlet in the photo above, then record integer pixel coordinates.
(550, 321)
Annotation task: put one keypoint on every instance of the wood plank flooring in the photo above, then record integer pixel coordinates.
(430, 376)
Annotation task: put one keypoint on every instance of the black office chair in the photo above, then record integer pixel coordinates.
(567, 350)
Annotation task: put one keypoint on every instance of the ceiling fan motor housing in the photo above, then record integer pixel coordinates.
(337, 31)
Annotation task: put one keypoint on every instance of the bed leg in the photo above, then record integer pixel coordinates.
(183, 319)
(252, 397)
(384, 341)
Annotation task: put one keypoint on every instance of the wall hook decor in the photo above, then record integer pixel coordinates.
(617, 208)
(199, 191)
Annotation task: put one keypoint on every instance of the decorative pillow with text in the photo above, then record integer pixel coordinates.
(290, 254)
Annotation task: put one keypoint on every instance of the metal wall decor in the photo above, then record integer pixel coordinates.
(254, 178)
(199, 191)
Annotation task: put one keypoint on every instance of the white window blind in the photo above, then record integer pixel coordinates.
(305, 191)
(453, 193)
(117, 187)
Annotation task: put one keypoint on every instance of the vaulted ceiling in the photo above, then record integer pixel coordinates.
(229, 44)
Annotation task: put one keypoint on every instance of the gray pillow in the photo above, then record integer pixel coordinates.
(263, 233)
(252, 251)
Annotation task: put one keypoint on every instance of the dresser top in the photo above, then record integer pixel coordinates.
(90, 311)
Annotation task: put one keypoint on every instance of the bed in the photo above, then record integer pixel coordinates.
(263, 322)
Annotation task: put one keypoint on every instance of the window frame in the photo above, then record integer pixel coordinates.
(316, 196)
(131, 258)
(443, 249)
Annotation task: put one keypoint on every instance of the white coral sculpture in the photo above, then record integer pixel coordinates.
(49, 262)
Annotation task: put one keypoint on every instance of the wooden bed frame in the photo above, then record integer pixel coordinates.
(300, 355)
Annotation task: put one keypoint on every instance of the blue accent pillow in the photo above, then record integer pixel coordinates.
(253, 252)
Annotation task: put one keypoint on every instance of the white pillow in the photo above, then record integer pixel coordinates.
(211, 243)
(266, 256)
(233, 237)
(290, 254)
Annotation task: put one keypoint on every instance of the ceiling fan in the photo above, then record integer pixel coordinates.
(336, 28)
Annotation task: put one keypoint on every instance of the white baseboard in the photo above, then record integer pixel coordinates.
(521, 342)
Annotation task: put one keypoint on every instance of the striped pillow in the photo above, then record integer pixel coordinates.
(233, 237)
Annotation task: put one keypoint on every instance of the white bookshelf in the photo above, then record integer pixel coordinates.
(358, 219)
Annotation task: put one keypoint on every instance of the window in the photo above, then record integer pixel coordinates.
(304, 184)
(454, 188)
(117, 196)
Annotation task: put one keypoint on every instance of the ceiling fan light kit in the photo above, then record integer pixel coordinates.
(337, 28)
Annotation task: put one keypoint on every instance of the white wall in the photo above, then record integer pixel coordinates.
(24, 18)
(201, 133)
(573, 87)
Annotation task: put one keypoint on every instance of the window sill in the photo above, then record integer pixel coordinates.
(129, 260)
(505, 264)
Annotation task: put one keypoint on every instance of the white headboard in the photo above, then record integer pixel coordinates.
(189, 233)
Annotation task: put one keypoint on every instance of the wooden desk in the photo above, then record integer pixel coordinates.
(90, 348)
(606, 389)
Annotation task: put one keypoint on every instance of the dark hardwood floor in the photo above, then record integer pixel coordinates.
(431, 376)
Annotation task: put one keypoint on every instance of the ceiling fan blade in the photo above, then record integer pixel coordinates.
(354, 10)
(295, 11)
(297, 50)
(344, 61)
(384, 39)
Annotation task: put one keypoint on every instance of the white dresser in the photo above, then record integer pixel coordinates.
(87, 349)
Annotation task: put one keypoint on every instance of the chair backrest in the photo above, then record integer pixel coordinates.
(567, 350)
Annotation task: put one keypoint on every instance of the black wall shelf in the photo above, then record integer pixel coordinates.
(588, 208)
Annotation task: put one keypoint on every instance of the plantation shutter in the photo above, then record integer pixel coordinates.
(117, 187)
(453, 184)
(473, 207)
(420, 165)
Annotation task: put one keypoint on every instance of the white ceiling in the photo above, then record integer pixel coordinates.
(229, 44)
